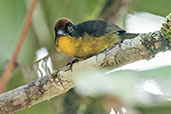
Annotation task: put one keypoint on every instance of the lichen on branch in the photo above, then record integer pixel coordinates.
(166, 31)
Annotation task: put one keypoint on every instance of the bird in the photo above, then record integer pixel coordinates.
(88, 38)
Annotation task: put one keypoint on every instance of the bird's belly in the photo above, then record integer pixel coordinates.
(84, 47)
(89, 48)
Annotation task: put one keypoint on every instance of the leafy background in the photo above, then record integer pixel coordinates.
(12, 15)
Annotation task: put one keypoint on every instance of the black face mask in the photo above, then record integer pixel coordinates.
(72, 30)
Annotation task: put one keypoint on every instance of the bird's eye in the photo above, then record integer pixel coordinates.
(70, 29)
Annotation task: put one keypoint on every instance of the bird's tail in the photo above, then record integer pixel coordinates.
(128, 36)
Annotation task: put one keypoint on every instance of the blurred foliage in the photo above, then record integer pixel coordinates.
(11, 20)
(158, 7)
(12, 15)
(155, 110)
(133, 80)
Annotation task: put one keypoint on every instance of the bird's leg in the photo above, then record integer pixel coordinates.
(118, 43)
(71, 63)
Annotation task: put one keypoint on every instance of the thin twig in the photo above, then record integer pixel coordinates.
(10, 67)
(115, 10)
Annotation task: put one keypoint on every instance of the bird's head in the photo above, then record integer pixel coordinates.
(63, 27)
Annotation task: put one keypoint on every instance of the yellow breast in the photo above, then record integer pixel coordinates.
(85, 47)
(65, 45)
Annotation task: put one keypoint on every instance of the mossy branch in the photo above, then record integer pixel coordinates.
(144, 46)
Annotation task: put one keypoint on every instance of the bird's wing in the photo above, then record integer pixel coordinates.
(98, 28)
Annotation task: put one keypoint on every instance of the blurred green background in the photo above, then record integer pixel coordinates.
(12, 15)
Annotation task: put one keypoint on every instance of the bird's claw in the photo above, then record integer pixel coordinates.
(71, 63)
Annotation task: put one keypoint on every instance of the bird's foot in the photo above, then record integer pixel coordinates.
(119, 43)
(71, 63)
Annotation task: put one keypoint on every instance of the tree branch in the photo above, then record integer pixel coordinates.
(114, 10)
(6, 74)
(144, 46)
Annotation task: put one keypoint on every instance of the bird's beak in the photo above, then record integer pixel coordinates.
(58, 34)
(61, 33)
